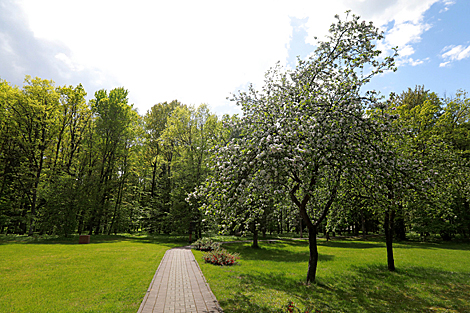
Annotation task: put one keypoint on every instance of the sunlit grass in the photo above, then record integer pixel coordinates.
(352, 277)
(111, 274)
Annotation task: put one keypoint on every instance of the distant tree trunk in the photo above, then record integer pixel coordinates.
(363, 224)
(399, 225)
(154, 173)
(199, 230)
(400, 229)
(79, 222)
(255, 237)
(35, 190)
(467, 209)
(388, 228)
(117, 205)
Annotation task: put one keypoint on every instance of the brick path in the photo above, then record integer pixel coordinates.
(179, 286)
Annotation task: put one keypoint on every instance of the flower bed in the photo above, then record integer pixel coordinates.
(221, 257)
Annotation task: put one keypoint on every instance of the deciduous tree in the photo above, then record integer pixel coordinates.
(307, 130)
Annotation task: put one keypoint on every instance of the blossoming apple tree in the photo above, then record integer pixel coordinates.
(304, 133)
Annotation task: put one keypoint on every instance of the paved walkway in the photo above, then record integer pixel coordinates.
(179, 286)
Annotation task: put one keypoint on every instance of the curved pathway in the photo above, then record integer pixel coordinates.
(179, 286)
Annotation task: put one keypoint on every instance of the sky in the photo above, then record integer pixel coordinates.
(206, 51)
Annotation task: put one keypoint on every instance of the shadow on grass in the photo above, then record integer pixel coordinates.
(166, 240)
(435, 245)
(351, 244)
(374, 289)
(413, 243)
(275, 252)
(240, 303)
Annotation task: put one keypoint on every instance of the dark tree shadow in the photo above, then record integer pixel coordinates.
(375, 289)
(276, 252)
(240, 303)
(165, 240)
(351, 244)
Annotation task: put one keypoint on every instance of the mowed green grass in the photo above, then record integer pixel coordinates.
(352, 277)
(111, 274)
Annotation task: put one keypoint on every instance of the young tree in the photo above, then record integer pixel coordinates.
(307, 130)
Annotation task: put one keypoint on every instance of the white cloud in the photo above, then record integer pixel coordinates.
(408, 27)
(403, 34)
(66, 60)
(454, 53)
(194, 51)
(5, 44)
(200, 51)
(411, 61)
(447, 4)
(457, 53)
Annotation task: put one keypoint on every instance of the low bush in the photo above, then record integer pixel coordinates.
(221, 257)
(206, 244)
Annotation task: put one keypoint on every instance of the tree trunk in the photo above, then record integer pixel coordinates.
(313, 260)
(399, 224)
(388, 227)
(400, 229)
(80, 222)
(154, 174)
(255, 237)
(35, 192)
(116, 206)
(363, 224)
(312, 227)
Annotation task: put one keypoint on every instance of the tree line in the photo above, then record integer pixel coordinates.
(68, 166)
(71, 167)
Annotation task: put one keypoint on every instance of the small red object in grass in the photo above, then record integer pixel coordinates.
(84, 239)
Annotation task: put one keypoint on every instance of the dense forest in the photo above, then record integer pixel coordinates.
(70, 166)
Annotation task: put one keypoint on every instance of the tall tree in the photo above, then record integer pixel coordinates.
(307, 128)
(112, 136)
(191, 132)
(34, 114)
(63, 186)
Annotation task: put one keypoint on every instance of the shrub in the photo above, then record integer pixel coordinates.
(206, 244)
(221, 257)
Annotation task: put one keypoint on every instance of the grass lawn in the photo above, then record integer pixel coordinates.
(352, 277)
(111, 274)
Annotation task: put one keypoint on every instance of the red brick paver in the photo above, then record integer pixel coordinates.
(179, 286)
